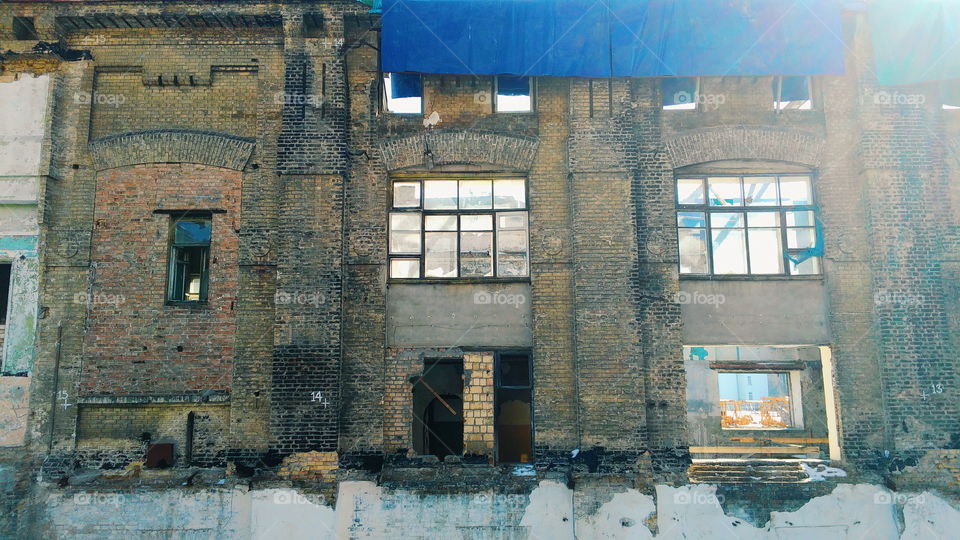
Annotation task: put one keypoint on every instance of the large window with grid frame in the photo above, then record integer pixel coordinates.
(747, 225)
(458, 226)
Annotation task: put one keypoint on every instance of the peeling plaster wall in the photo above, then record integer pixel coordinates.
(365, 510)
(14, 403)
(18, 352)
(24, 108)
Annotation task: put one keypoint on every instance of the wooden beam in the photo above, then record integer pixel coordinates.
(787, 440)
(754, 450)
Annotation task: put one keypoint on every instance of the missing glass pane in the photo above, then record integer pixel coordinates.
(513, 94)
(403, 93)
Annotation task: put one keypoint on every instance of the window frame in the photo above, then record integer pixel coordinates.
(531, 88)
(695, 98)
(458, 212)
(172, 247)
(706, 209)
(384, 98)
(777, 101)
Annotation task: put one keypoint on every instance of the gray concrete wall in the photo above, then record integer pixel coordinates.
(768, 312)
(365, 510)
(459, 315)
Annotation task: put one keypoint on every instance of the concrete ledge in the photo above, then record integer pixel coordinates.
(745, 142)
(171, 146)
(434, 148)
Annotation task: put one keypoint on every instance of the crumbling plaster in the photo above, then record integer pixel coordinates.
(365, 510)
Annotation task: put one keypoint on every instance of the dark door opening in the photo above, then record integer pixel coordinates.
(5, 270)
(444, 428)
(513, 427)
(438, 408)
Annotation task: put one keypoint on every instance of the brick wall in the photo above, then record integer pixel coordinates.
(137, 343)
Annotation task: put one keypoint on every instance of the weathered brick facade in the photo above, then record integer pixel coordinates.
(268, 116)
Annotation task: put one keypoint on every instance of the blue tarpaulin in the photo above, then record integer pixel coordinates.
(915, 41)
(591, 38)
(513, 86)
(404, 85)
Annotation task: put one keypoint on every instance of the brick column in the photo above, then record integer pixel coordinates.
(478, 403)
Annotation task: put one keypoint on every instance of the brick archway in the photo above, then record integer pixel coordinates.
(435, 148)
(171, 146)
(744, 142)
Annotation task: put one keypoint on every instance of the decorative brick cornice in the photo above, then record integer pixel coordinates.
(171, 146)
(449, 147)
(744, 142)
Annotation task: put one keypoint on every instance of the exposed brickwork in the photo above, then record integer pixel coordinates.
(309, 466)
(452, 147)
(138, 343)
(171, 146)
(478, 403)
(744, 142)
(112, 436)
(283, 135)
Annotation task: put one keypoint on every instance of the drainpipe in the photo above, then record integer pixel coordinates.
(56, 384)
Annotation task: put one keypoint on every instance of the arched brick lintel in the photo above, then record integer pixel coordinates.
(744, 142)
(435, 148)
(171, 146)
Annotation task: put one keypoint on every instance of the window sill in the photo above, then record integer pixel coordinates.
(196, 304)
(742, 277)
(755, 429)
(456, 281)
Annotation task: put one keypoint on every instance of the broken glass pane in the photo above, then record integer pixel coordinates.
(512, 253)
(440, 254)
(693, 251)
(476, 254)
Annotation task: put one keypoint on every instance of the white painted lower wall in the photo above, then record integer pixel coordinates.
(364, 510)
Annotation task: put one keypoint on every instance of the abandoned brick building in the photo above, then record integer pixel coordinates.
(273, 265)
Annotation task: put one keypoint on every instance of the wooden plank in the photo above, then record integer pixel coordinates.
(788, 440)
(753, 450)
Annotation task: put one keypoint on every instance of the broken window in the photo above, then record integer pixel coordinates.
(468, 227)
(513, 94)
(403, 93)
(438, 408)
(23, 28)
(680, 93)
(5, 272)
(189, 259)
(513, 426)
(791, 93)
(755, 400)
(747, 225)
